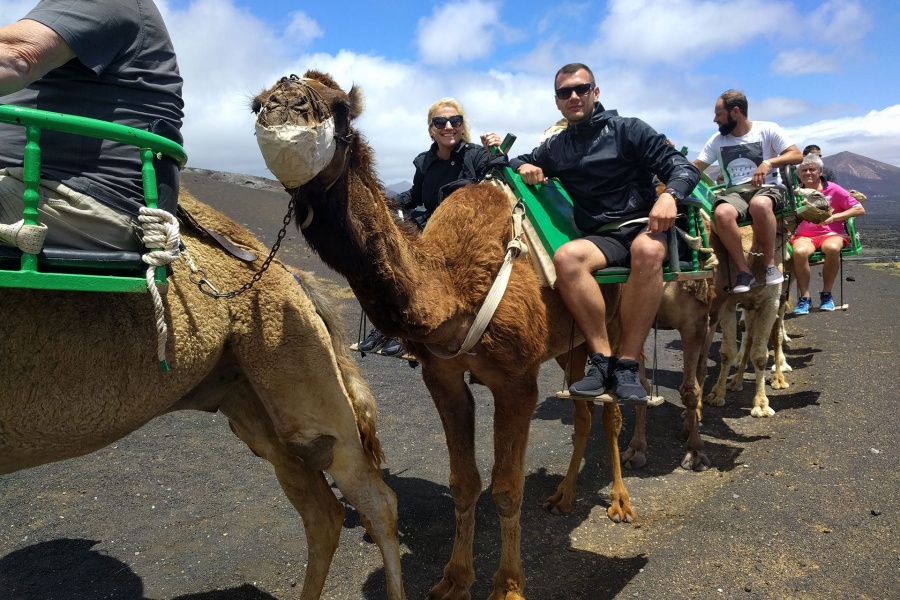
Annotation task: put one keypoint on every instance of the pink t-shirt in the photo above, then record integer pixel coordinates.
(840, 201)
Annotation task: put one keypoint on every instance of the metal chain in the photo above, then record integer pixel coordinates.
(204, 283)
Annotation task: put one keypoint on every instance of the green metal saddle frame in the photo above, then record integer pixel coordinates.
(72, 269)
(549, 209)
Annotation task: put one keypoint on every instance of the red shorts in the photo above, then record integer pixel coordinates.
(817, 240)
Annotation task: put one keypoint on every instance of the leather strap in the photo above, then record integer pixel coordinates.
(239, 253)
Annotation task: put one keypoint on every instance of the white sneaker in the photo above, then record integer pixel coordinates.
(773, 275)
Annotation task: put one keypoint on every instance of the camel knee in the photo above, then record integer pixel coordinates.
(506, 506)
(317, 453)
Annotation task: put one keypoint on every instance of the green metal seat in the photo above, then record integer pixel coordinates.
(549, 209)
(81, 270)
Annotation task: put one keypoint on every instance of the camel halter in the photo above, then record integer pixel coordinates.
(296, 154)
(515, 248)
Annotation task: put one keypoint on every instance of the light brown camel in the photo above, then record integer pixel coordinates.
(427, 289)
(761, 306)
(79, 371)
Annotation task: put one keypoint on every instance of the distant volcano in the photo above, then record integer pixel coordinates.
(871, 177)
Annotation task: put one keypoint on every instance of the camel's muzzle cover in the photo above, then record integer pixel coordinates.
(295, 152)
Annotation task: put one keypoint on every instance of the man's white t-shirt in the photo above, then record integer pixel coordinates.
(738, 157)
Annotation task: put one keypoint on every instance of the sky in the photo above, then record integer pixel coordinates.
(825, 71)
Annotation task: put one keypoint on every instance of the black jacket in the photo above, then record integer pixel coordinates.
(607, 166)
(466, 161)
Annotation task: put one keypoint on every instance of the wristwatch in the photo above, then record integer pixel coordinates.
(675, 193)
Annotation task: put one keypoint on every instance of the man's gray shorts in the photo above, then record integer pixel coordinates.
(739, 197)
(73, 220)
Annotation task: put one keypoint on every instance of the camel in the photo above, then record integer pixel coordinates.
(79, 371)
(426, 289)
(761, 306)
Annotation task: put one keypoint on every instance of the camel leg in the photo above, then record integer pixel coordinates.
(760, 353)
(635, 456)
(736, 381)
(560, 503)
(619, 504)
(780, 366)
(306, 488)
(514, 402)
(456, 407)
(694, 350)
(728, 352)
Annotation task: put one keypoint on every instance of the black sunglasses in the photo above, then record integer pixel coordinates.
(564, 93)
(456, 122)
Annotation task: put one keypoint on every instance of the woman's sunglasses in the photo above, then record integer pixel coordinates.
(456, 122)
(564, 93)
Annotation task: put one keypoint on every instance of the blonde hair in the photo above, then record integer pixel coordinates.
(455, 105)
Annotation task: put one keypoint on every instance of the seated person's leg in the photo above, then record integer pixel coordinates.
(728, 210)
(762, 213)
(803, 248)
(831, 247)
(575, 263)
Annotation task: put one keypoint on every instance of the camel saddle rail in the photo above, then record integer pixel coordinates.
(549, 210)
(48, 268)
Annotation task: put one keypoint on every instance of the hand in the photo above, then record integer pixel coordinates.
(490, 139)
(663, 214)
(759, 175)
(531, 174)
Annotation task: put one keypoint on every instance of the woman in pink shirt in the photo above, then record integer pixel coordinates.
(829, 236)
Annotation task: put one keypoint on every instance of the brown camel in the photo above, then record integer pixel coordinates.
(427, 289)
(79, 371)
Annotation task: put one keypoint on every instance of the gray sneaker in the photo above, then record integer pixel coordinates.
(627, 381)
(773, 275)
(744, 282)
(597, 379)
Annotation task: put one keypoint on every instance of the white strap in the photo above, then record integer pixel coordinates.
(514, 249)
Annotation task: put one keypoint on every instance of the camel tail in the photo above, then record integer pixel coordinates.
(361, 398)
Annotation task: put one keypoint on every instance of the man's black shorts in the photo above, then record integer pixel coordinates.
(615, 244)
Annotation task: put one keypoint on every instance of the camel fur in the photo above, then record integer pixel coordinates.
(426, 289)
(79, 371)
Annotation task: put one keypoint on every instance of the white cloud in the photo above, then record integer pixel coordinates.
(672, 31)
(803, 62)
(874, 134)
(303, 28)
(460, 32)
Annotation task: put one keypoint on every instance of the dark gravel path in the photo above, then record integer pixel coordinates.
(801, 505)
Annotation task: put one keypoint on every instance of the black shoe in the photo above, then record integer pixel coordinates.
(374, 341)
(627, 382)
(597, 379)
(392, 347)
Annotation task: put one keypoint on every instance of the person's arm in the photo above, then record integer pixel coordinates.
(28, 51)
(854, 211)
(701, 166)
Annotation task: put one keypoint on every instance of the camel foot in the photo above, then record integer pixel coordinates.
(735, 384)
(558, 504)
(634, 459)
(510, 592)
(449, 590)
(762, 411)
(695, 461)
(620, 512)
(714, 399)
(779, 383)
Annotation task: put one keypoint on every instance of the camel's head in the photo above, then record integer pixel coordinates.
(301, 122)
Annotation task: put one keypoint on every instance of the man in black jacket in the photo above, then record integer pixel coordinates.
(606, 163)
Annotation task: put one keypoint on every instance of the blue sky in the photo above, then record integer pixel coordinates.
(826, 71)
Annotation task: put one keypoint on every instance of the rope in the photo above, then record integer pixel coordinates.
(161, 234)
(696, 243)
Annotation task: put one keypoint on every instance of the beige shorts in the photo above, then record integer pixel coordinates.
(739, 197)
(73, 220)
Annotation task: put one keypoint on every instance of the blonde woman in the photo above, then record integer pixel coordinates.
(451, 161)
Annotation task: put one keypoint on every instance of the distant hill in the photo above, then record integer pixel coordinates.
(397, 188)
(871, 177)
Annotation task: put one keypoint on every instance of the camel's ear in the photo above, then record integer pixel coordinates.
(357, 102)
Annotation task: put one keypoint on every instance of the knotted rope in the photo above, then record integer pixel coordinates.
(161, 235)
(696, 243)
